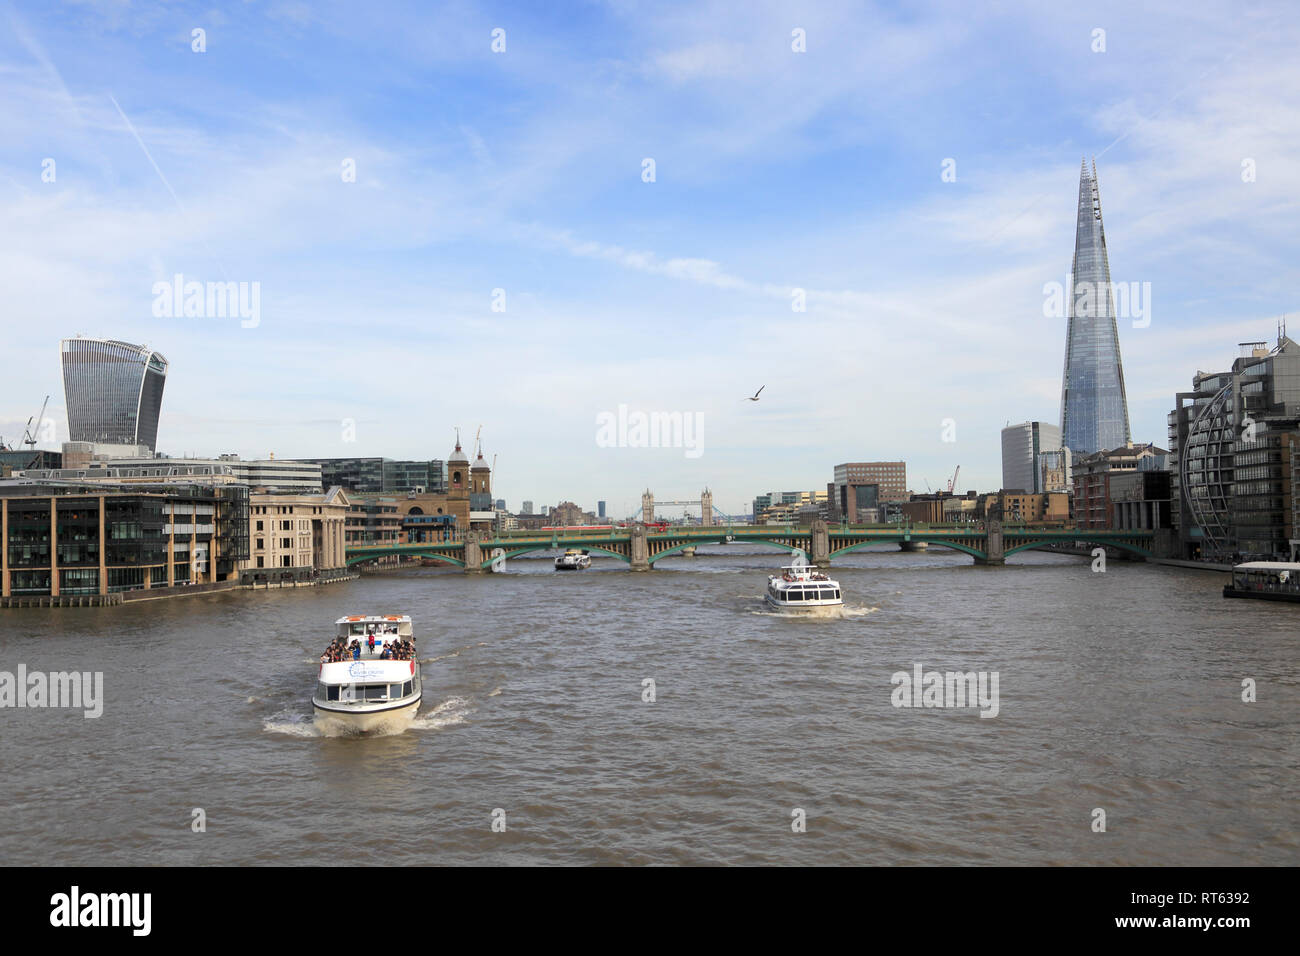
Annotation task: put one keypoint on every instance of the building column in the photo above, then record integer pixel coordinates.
(171, 544)
(213, 546)
(54, 547)
(103, 550)
(4, 543)
(194, 540)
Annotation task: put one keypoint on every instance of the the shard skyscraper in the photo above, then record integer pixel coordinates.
(1094, 408)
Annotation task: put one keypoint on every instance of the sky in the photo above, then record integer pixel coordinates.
(503, 259)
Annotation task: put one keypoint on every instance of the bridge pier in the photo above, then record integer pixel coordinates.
(473, 554)
(821, 544)
(640, 549)
(994, 551)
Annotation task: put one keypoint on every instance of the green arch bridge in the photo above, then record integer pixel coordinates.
(641, 549)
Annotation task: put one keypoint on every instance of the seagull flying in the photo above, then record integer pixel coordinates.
(754, 397)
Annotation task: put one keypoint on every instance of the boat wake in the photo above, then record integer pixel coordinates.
(840, 612)
(450, 713)
(291, 724)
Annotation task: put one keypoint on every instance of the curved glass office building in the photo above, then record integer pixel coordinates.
(113, 391)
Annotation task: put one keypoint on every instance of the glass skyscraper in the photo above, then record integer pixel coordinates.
(1094, 408)
(113, 391)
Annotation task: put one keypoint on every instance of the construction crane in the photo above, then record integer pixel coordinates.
(952, 482)
(29, 437)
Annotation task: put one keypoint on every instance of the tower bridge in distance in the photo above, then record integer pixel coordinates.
(641, 548)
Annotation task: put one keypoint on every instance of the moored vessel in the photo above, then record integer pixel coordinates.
(800, 588)
(1265, 581)
(369, 679)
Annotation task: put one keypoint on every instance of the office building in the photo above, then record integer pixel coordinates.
(863, 485)
(113, 392)
(1023, 446)
(284, 475)
(1095, 474)
(1230, 442)
(1094, 407)
(383, 476)
(65, 539)
(293, 537)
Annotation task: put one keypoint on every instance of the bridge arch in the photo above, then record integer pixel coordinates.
(708, 539)
(900, 539)
(1107, 543)
(416, 553)
(488, 548)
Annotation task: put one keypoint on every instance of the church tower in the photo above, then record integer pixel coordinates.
(458, 476)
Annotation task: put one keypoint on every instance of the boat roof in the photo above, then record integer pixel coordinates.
(374, 619)
(1268, 566)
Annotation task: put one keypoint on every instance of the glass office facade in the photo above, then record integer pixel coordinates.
(1094, 407)
(383, 475)
(54, 529)
(113, 391)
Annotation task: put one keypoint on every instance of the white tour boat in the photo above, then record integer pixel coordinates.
(369, 678)
(573, 560)
(802, 588)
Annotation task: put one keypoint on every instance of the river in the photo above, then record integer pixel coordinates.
(1119, 691)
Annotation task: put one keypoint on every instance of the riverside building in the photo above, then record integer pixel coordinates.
(1230, 457)
(67, 539)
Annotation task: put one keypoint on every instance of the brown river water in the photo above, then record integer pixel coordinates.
(1119, 691)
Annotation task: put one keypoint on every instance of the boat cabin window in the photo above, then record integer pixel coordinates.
(407, 688)
(332, 692)
(394, 691)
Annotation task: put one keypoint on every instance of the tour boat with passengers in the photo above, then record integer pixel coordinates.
(802, 588)
(369, 677)
(573, 559)
(1265, 581)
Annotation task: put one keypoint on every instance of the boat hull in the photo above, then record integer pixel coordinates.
(806, 608)
(394, 719)
(1230, 592)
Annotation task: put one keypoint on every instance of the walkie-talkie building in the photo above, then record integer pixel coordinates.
(113, 391)
(1094, 408)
